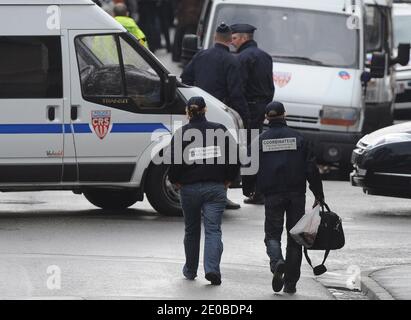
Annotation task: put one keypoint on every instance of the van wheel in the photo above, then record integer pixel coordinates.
(161, 194)
(112, 199)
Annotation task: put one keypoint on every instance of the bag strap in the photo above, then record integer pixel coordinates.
(320, 269)
(307, 257)
(324, 205)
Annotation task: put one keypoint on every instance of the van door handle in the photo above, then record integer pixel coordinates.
(74, 112)
(51, 112)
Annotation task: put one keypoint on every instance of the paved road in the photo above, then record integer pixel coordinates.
(139, 254)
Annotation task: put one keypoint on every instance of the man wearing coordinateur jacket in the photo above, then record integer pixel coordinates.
(286, 163)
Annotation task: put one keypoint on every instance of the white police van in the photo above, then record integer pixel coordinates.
(320, 50)
(80, 100)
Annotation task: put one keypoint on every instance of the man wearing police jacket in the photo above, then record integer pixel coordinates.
(286, 163)
(204, 162)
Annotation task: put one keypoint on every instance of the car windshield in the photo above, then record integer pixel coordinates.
(297, 36)
(402, 29)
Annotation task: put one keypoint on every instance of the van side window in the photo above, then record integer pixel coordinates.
(373, 29)
(142, 82)
(99, 64)
(110, 66)
(30, 67)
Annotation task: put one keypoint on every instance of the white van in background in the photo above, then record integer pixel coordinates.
(402, 34)
(80, 100)
(319, 50)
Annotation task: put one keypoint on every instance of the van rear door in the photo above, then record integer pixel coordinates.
(31, 102)
(117, 102)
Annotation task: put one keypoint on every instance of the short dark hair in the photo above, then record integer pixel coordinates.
(120, 9)
(223, 37)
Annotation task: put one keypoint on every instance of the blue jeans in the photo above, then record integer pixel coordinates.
(293, 205)
(207, 199)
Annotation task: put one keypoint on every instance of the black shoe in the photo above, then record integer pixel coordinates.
(190, 277)
(214, 278)
(232, 205)
(289, 288)
(255, 200)
(278, 276)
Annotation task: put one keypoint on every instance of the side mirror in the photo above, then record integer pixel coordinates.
(403, 56)
(190, 47)
(170, 88)
(378, 65)
(365, 77)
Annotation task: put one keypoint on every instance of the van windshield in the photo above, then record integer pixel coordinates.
(297, 36)
(402, 29)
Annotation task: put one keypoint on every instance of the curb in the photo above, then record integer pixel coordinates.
(372, 288)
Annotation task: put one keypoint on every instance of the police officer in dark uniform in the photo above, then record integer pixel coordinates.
(257, 76)
(286, 162)
(203, 186)
(218, 72)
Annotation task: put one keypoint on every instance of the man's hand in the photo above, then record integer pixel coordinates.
(318, 202)
(177, 186)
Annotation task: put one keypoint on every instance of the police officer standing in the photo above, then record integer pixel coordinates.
(258, 84)
(286, 163)
(203, 186)
(218, 72)
(121, 14)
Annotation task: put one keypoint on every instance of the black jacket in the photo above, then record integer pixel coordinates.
(198, 170)
(256, 72)
(286, 161)
(218, 72)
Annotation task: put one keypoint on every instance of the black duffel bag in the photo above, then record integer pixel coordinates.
(330, 236)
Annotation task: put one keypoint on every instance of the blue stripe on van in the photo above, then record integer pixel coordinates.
(137, 127)
(81, 128)
(78, 128)
(30, 128)
(67, 128)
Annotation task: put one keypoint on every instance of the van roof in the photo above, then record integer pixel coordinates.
(304, 3)
(402, 9)
(46, 2)
(35, 18)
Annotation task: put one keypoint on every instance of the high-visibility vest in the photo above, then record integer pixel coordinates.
(133, 28)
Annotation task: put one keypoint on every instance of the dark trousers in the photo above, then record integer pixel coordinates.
(207, 199)
(293, 205)
(149, 24)
(164, 10)
(181, 31)
(257, 116)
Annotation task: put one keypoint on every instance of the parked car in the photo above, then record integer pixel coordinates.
(402, 34)
(382, 162)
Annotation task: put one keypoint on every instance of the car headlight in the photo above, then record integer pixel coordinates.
(338, 116)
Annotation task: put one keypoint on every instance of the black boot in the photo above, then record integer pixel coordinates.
(255, 199)
(230, 205)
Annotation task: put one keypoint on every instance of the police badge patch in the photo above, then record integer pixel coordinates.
(100, 121)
